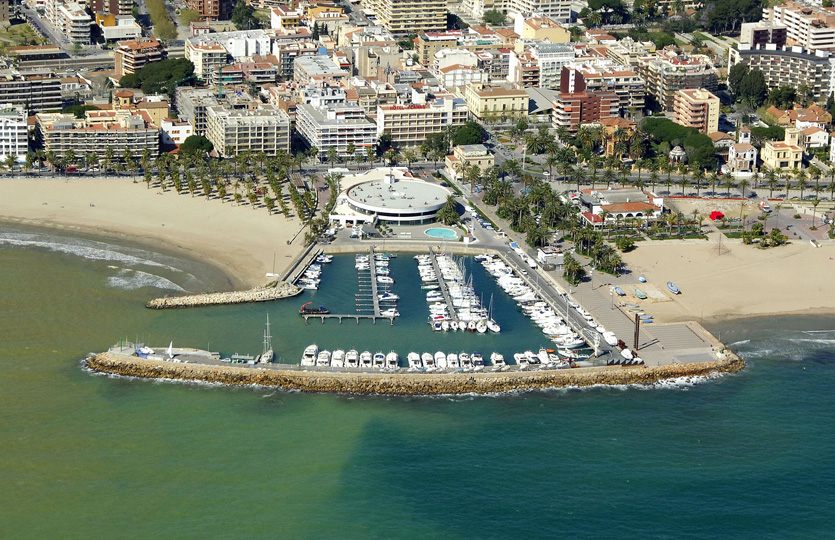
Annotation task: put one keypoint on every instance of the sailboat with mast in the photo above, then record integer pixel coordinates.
(268, 353)
(491, 323)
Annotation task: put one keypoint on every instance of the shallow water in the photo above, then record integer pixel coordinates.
(82, 455)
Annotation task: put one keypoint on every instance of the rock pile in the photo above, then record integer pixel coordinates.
(258, 294)
(406, 383)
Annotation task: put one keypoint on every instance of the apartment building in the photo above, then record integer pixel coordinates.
(762, 33)
(285, 18)
(206, 57)
(789, 67)
(120, 130)
(558, 10)
(542, 28)
(34, 91)
(262, 129)
(540, 65)
(427, 44)
(111, 7)
(604, 76)
(132, 55)
(286, 51)
(671, 70)
(697, 108)
(212, 10)
(465, 156)
(409, 125)
(336, 125)
(317, 69)
(404, 17)
(175, 132)
(628, 52)
(70, 19)
(571, 110)
(118, 27)
(496, 102)
(786, 154)
(13, 133)
(809, 27)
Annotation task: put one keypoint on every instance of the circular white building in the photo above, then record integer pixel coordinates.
(389, 194)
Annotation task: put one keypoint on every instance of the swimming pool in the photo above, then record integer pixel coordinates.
(446, 234)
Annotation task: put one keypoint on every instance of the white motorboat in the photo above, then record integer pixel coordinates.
(414, 361)
(452, 361)
(478, 361)
(440, 360)
(365, 360)
(338, 358)
(379, 361)
(388, 297)
(390, 312)
(445, 326)
(493, 326)
(453, 326)
(392, 360)
(323, 358)
(352, 359)
(521, 360)
(324, 258)
(497, 359)
(428, 361)
(532, 358)
(385, 279)
(465, 360)
(309, 355)
(610, 338)
(481, 327)
(570, 342)
(429, 286)
(543, 356)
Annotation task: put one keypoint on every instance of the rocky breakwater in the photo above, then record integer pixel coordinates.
(273, 291)
(407, 383)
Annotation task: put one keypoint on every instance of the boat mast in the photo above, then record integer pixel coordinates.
(268, 343)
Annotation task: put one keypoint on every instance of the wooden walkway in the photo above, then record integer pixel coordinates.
(442, 284)
(358, 316)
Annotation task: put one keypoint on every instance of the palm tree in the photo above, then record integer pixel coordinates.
(728, 184)
(578, 175)
(551, 161)
(410, 157)
(772, 182)
(815, 204)
(683, 182)
(370, 154)
(698, 178)
(800, 175)
(608, 176)
(742, 184)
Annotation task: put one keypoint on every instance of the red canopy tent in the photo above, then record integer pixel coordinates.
(716, 215)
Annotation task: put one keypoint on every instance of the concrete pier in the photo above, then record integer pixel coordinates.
(292, 378)
(453, 314)
(259, 294)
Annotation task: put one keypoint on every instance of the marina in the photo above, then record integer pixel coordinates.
(371, 292)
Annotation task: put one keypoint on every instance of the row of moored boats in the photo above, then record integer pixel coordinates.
(469, 313)
(312, 276)
(382, 273)
(429, 362)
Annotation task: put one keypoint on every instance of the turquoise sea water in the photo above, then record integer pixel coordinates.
(91, 456)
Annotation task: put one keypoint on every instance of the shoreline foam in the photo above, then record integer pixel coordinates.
(407, 384)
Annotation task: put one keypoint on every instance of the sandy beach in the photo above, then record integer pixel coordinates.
(239, 240)
(743, 281)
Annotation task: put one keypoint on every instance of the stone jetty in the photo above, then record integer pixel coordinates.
(273, 291)
(407, 383)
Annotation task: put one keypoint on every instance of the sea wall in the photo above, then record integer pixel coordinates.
(406, 383)
(258, 294)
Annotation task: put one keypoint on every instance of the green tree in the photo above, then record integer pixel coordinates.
(196, 144)
(494, 17)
